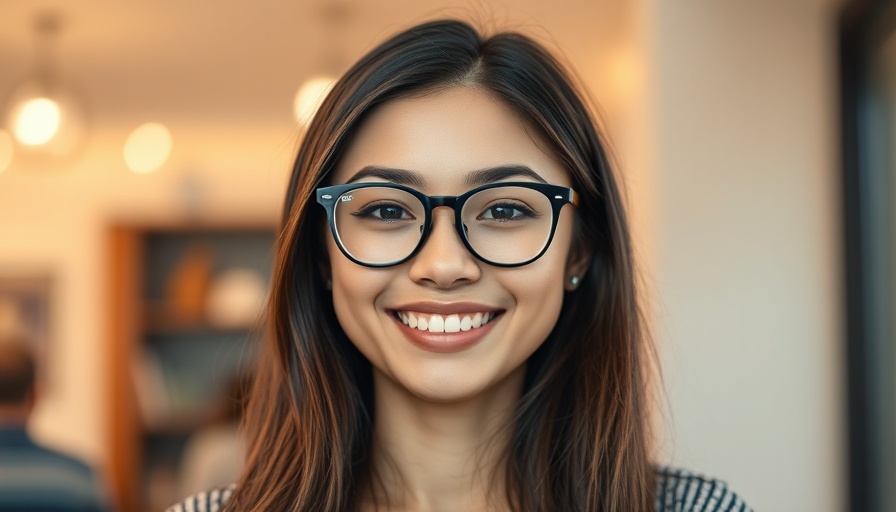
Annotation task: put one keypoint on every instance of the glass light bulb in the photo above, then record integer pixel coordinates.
(37, 121)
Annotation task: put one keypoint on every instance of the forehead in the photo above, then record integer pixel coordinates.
(445, 135)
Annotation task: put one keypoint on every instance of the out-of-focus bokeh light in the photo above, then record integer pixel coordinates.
(36, 121)
(626, 77)
(6, 150)
(309, 97)
(147, 148)
(44, 121)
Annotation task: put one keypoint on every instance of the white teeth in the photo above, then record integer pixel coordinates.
(477, 320)
(452, 323)
(436, 323)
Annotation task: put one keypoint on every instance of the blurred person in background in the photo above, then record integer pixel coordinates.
(34, 478)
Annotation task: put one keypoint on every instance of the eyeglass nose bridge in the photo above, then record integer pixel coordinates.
(449, 202)
(437, 201)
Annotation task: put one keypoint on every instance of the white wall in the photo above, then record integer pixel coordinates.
(747, 261)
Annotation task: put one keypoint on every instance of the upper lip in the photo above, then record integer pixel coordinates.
(446, 308)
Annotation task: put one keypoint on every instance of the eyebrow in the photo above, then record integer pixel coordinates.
(502, 172)
(400, 176)
(472, 179)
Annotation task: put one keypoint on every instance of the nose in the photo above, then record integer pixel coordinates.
(444, 261)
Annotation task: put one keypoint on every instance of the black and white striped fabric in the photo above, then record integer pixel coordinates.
(676, 491)
(210, 501)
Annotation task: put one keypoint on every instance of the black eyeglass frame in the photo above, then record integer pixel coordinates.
(558, 195)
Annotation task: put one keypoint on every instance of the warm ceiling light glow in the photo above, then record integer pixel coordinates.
(6, 150)
(626, 74)
(147, 148)
(36, 121)
(45, 121)
(309, 97)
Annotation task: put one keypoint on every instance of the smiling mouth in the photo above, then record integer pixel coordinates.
(444, 323)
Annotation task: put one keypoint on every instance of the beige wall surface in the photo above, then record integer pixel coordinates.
(748, 255)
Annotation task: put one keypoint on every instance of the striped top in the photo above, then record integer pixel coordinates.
(676, 491)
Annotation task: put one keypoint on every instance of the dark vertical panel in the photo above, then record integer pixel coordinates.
(868, 237)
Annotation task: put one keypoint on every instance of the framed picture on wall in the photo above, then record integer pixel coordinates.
(25, 314)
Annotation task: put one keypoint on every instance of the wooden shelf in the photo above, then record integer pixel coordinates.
(167, 361)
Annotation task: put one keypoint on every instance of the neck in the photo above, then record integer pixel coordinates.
(440, 456)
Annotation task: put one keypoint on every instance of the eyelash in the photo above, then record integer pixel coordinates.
(368, 211)
(525, 212)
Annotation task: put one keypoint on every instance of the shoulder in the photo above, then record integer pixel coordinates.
(678, 490)
(210, 501)
(36, 478)
(20, 450)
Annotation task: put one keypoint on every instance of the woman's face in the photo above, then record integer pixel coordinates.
(441, 139)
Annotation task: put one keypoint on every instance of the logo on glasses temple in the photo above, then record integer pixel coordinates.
(345, 199)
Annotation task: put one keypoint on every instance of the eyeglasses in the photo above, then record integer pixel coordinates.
(507, 224)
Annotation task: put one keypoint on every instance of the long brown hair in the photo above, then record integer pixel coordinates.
(580, 436)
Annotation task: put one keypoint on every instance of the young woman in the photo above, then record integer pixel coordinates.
(454, 322)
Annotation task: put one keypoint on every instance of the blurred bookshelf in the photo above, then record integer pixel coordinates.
(184, 304)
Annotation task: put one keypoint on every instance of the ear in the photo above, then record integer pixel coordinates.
(577, 264)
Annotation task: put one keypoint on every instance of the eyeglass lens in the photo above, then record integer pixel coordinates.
(504, 225)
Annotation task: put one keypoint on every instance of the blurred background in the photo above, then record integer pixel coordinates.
(137, 212)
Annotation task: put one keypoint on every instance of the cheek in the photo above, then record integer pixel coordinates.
(355, 292)
(539, 298)
(539, 287)
(550, 270)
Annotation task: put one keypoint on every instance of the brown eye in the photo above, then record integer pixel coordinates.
(505, 212)
(385, 212)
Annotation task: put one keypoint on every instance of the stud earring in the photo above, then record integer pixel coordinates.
(329, 284)
(574, 282)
